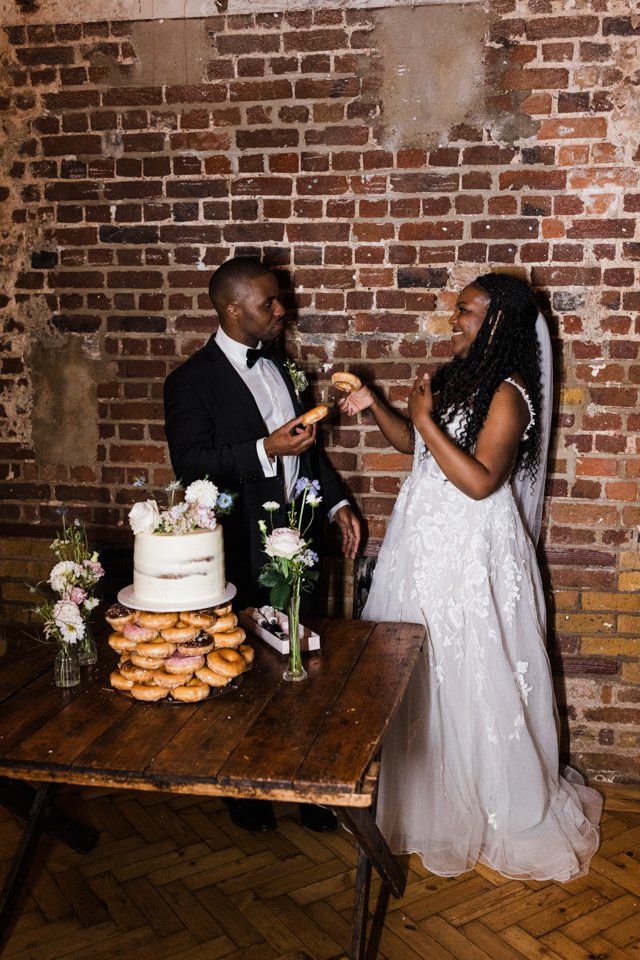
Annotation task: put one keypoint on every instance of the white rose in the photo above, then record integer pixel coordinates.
(144, 517)
(284, 542)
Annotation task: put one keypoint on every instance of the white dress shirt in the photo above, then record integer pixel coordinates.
(274, 402)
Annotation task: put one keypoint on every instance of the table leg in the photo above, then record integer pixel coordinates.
(24, 855)
(19, 796)
(373, 850)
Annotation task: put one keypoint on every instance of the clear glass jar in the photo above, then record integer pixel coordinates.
(66, 666)
(87, 650)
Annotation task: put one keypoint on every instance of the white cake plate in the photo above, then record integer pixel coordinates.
(128, 598)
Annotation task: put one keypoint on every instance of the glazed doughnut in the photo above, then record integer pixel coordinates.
(133, 631)
(144, 691)
(232, 638)
(347, 382)
(119, 643)
(119, 682)
(170, 680)
(180, 633)
(117, 615)
(201, 645)
(228, 622)
(138, 674)
(159, 621)
(191, 692)
(222, 610)
(246, 652)
(227, 662)
(181, 664)
(198, 618)
(147, 663)
(315, 414)
(156, 648)
(207, 675)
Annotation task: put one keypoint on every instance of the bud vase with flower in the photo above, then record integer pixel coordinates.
(288, 572)
(65, 613)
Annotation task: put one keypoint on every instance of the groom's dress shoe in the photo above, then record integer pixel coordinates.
(251, 814)
(319, 819)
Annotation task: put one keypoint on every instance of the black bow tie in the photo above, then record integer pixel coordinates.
(266, 351)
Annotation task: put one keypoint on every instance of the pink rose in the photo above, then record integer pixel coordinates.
(284, 542)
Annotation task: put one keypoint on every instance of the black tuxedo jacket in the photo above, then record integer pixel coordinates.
(212, 424)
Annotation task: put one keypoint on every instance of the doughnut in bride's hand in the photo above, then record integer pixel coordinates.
(346, 382)
(315, 414)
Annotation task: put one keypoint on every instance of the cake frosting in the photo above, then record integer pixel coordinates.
(186, 568)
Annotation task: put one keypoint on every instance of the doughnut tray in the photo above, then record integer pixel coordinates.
(169, 701)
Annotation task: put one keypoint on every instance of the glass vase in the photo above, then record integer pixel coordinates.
(87, 650)
(295, 671)
(66, 666)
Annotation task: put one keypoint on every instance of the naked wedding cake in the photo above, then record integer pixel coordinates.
(186, 569)
(178, 554)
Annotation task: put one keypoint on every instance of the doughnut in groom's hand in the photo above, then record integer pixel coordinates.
(346, 382)
(315, 414)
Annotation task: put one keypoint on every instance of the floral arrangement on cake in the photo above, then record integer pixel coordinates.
(200, 509)
(66, 610)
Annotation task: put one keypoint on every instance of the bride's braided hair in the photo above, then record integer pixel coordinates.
(505, 343)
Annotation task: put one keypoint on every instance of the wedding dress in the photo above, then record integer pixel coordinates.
(470, 768)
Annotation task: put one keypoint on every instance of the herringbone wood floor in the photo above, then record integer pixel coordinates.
(172, 879)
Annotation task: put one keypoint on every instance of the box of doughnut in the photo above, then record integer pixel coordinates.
(272, 626)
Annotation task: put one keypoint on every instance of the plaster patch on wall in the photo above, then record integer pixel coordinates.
(65, 401)
(169, 51)
(433, 71)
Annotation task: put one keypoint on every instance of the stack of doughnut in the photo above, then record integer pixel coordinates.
(178, 656)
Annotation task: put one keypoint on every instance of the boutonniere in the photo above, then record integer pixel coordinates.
(298, 377)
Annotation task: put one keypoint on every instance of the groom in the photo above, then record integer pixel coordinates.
(232, 414)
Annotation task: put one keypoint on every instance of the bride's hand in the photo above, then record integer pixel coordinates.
(357, 401)
(420, 399)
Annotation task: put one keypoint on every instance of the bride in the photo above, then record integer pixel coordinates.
(470, 769)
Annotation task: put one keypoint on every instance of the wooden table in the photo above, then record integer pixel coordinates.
(314, 741)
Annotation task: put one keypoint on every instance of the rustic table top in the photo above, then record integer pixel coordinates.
(309, 741)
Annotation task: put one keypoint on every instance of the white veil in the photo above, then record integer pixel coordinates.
(530, 498)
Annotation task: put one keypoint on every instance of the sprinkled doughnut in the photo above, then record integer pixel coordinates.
(117, 615)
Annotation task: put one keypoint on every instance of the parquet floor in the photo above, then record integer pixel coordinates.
(172, 879)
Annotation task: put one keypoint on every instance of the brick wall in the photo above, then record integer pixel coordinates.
(124, 185)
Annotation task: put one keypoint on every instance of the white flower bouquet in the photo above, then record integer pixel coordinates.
(65, 612)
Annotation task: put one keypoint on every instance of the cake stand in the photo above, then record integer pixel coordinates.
(128, 598)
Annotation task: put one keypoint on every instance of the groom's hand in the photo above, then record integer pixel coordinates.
(290, 440)
(349, 530)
